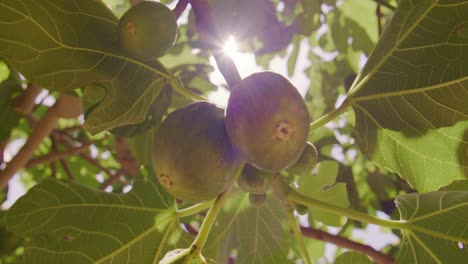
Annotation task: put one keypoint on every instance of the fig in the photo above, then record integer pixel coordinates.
(302, 209)
(253, 180)
(147, 30)
(306, 161)
(267, 121)
(257, 200)
(192, 156)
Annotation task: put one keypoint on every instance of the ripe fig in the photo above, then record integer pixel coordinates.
(306, 161)
(267, 121)
(253, 180)
(147, 30)
(192, 155)
(257, 200)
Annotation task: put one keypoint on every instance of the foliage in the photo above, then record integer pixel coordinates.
(385, 88)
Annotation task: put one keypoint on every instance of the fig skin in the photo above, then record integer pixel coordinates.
(306, 161)
(267, 121)
(147, 30)
(192, 156)
(253, 180)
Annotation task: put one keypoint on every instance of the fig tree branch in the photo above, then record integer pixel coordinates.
(57, 155)
(24, 104)
(63, 107)
(385, 4)
(62, 162)
(206, 27)
(297, 232)
(2, 151)
(180, 8)
(210, 218)
(286, 193)
(316, 234)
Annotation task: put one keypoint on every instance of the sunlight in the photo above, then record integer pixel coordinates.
(230, 47)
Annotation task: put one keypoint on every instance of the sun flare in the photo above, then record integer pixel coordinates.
(230, 46)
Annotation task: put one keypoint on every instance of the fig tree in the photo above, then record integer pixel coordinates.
(147, 30)
(253, 180)
(306, 161)
(192, 156)
(267, 121)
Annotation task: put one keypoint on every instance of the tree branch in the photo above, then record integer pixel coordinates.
(180, 8)
(2, 150)
(346, 243)
(24, 104)
(63, 107)
(387, 5)
(206, 27)
(56, 155)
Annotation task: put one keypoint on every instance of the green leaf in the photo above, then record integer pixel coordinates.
(436, 227)
(322, 186)
(60, 45)
(351, 257)
(9, 89)
(256, 233)
(410, 98)
(70, 223)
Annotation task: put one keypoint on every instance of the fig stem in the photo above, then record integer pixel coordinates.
(177, 85)
(287, 193)
(210, 217)
(297, 232)
(194, 209)
(330, 116)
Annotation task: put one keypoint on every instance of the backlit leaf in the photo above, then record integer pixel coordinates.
(411, 97)
(63, 45)
(70, 223)
(437, 227)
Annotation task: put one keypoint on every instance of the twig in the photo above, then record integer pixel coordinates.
(25, 102)
(387, 5)
(2, 150)
(63, 107)
(180, 8)
(206, 28)
(54, 156)
(62, 161)
(53, 168)
(346, 243)
(378, 13)
(125, 157)
(112, 178)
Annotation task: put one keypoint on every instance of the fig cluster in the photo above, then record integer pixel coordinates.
(147, 30)
(198, 148)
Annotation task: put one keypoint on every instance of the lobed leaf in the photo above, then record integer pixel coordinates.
(63, 45)
(410, 98)
(436, 229)
(322, 187)
(256, 234)
(70, 223)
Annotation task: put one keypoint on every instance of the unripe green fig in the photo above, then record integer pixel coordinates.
(253, 180)
(257, 200)
(302, 209)
(192, 156)
(147, 30)
(267, 121)
(306, 161)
